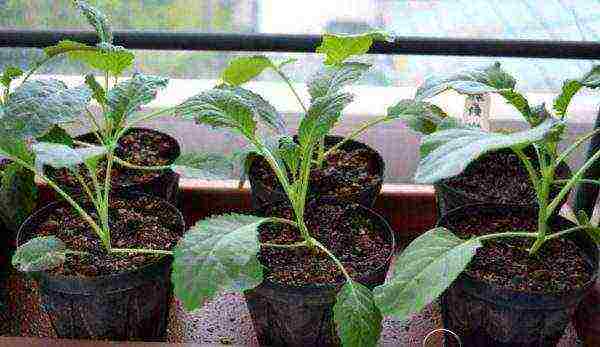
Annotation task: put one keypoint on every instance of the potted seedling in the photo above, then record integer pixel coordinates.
(306, 267)
(343, 168)
(143, 155)
(102, 263)
(497, 176)
(507, 275)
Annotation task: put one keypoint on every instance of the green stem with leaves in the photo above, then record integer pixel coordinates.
(353, 135)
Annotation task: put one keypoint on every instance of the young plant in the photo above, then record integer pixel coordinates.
(220, 254)
(31, 137)
(434, 260)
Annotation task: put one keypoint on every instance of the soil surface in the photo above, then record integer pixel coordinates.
(345, 171)
(144, 147)
(357, 241)
(559, 266)
(499, 177)
(143, 222)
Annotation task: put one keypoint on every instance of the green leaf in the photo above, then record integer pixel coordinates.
(61, 156)
(539, 114)
(243, 69)
(592, 78)
(97, 20)
(323, 114)
(128, 96)
(57, 135)
(331, 79)
(12, 147)
(205, 166)
(518, 101)
(106, 58)
(67, 46)
(290, 153)
(426, 268)
(594, 233)
(447, 153)
(18, 195)
(569, 89)
(338, 48)
(217, 255)
(40, 253)
(477, 81)
(582, 218)
(420, 116)
(35, 106)
(10, 73)
(261, 108)
(357, 317)
(220, 108)
(98, 93)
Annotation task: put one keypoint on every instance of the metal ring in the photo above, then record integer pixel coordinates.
(442, 330)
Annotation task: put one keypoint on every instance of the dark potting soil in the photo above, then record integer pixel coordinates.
(499, 177)
(560, 265)
(141, 147)
(343, 173)
(141, 222)
(354, 239)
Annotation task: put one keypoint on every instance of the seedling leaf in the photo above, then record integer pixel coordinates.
(128, 96)
(423, 271)
(420, 116)
(338, 48)
(205, 166)
(243, 69)
(357, 317)
(40, 253)
(476, 81)
(60, 156)
(218, 255)
(331, 79)
(447, 153)
(35, 106)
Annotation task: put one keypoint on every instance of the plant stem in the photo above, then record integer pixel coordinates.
(583, 180)
(333, 257)
(97, 129)
(530, 170)
(566, 231)
(289, 83)
(292, 245)
(354, 135)
(139, 167)
(35, 68)
(507, 234)
(63, 194)
(564, 155)
(283, 221)
(107, 187)
(145, 117)
(572, 181)
(140, 251)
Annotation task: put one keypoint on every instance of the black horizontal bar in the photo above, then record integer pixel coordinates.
(193, 41)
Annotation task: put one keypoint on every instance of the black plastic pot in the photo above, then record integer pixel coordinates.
(302, 316)
(448, 198)
(165, 185)
(483, 314)
(263, 195)
(132, 305)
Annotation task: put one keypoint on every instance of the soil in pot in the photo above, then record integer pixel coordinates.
(293, 306)
(352, 173)
(497, 177)
(109, 296)
(139, 146)
(506, 297)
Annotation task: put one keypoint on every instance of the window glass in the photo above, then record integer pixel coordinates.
(393, 77)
